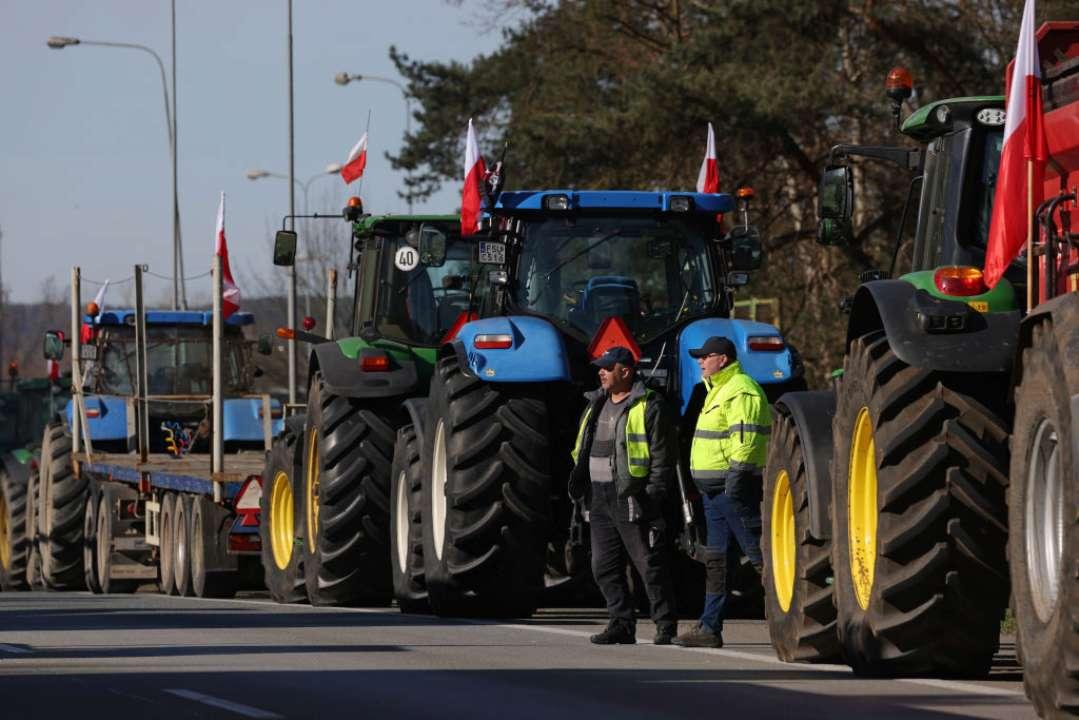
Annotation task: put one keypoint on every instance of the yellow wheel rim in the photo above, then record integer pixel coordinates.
(862, 507)
(5, 536)
(784, 548)
(282, 535)
(311, 486)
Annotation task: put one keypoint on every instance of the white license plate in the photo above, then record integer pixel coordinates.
(492, 253)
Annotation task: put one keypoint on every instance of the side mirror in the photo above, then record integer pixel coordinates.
(265, 345)
(432, 246)
(836, 193)
(284, 248)
(737, 279)
(53, 347)
(746, 251)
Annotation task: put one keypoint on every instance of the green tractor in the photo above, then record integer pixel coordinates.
(325, 518)
(24, 412)
(885, 521)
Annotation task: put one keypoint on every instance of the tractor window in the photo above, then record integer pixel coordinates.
(940, 201)
(418, 302)
(649, 271)
(984, 175)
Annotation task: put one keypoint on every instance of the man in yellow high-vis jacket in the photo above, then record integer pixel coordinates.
(730, 444)
(622, 464)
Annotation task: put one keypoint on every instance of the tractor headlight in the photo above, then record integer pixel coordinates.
(556, 202)
(681, 203)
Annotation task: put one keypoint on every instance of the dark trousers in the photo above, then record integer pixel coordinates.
(732, 514)
(614, 540)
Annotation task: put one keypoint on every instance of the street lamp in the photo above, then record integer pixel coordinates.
(344, 78)
(179, 293)
(258, 174)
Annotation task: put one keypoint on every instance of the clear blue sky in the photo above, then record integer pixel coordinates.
(85, 168)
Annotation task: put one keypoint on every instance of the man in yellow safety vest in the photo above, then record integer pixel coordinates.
(726, 460)
(622, 464)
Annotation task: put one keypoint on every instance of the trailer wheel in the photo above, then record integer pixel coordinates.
(89, 544)
(104, 540)
(486, 495)
(181, 545)
(13, 531)
(166, 554)
(918, 516)
(406, 526)
(33, 560)
(1044, 535)
(209, 548)
(63, 503)
(348, 450)
(280, 519)
(798, 567)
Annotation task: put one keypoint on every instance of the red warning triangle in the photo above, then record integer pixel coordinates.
(611, 333)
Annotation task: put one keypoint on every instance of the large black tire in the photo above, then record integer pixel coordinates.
(181, 545)
(348, 449)
(799, 602)
(103, 539)
(929, 535)
(1044, 535)
(90, 569)
(282, 502)
(166, 553)
(62, 499)
(209, 546)
(33, 561)
(406, 524)
(14, 540)
(486, 495)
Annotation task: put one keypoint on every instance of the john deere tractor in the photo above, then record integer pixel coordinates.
(885, 522)
(326, 492)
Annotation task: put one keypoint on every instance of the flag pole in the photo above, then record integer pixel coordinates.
(1030, 234)
(366, 130)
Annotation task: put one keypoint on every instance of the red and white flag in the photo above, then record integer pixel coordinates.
(230, 296)
(1024, 142)
(708, 178)
(357, 161)
(99, 299)
(475, 169)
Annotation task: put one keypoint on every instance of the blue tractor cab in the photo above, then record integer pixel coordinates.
(569, 273)
(179, 381)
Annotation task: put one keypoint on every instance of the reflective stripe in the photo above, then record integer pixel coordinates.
(749, 427)
(711, 434)
(636, 437)
(641, 462)
(708, 474)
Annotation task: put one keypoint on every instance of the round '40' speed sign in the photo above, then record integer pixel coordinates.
(406, 258)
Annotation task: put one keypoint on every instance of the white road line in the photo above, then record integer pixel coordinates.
(13, 649)
(245, 710)
(954, 686)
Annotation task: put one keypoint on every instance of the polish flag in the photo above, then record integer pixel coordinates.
(357, 161)
(1024, 142)
(708, 178)
(99, 299)
(475, 170)
(230, 297)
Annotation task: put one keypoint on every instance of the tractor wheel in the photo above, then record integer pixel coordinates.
(486, 495)
(104, 541)
(280, 519)
(1044, 535)
(33, 560)
(13, 531)
(918, 516)
(406, 526)
(181, 545)
(798, 567)
(166, 562)
(89, 544)
(348, 450)
(62, 506)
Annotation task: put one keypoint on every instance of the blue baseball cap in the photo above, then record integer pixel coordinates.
(616, 354)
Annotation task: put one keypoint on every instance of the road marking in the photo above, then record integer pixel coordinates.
(955, 686)
(245, 710)
(14, 649)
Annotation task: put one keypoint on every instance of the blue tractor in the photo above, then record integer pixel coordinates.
(483, 478)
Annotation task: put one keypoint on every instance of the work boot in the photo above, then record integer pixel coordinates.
(617, 633)
(665, 633)
(700, 636)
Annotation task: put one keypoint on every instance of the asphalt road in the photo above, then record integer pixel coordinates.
(79, 656)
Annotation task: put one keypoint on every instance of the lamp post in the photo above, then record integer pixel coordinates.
(331, 169)
(344, 78)
(179, 293)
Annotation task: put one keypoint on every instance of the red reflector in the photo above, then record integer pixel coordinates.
(244, 543)
(959, 280)
(767, 343)
(285, 333)
(93, 412)
(492, 342)
(372, 362)
(462, 318)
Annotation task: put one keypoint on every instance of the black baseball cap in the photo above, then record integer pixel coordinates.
(716, 344)
(616, 354)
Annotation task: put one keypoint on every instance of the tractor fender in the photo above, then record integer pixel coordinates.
(344, 376)
(1063, 310)
(767, 367)
(812, 413)
(986, 344)
(536, 352)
